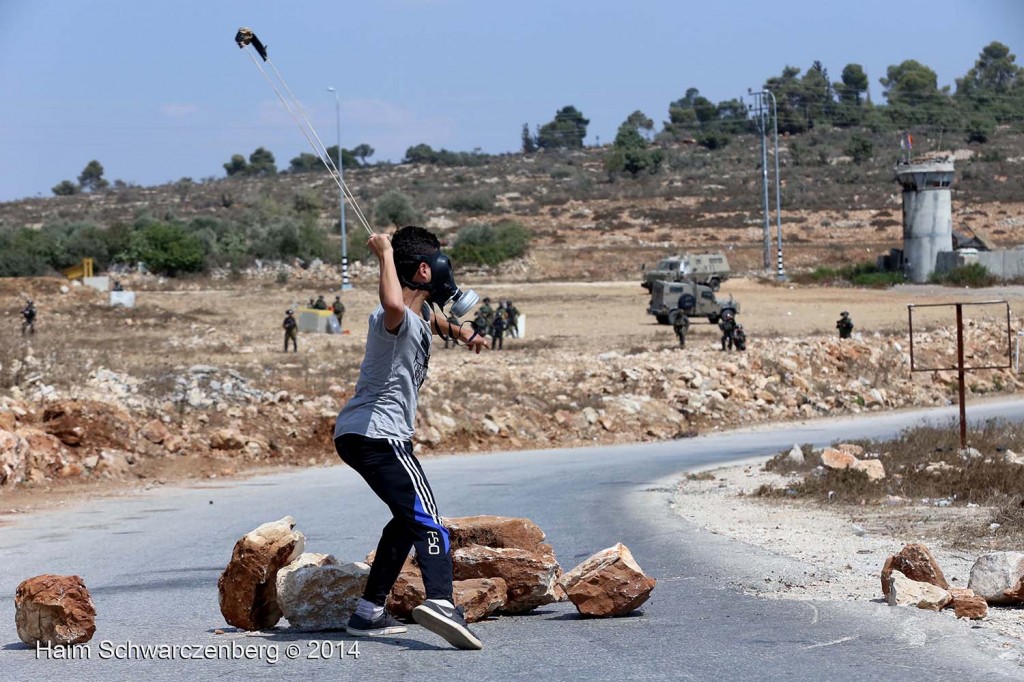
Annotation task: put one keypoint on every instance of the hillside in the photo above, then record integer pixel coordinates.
(586, 226)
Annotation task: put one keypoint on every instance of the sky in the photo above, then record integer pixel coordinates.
(157, 91)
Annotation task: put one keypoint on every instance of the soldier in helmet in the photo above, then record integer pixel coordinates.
(513, 319)
(844, 325)
(728, 325)
(339, 310)
(291, 331)
(681, 325)
(28, 314)
(486, 314)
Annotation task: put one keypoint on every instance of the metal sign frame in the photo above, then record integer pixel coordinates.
(960, 367)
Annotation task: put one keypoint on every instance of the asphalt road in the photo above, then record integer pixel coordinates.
(151, 563)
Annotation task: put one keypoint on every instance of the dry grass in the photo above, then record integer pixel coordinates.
(986, 484)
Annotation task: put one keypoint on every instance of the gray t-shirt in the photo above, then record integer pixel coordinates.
(393, 369)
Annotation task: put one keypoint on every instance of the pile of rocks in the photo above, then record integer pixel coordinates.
(500, 565)
(913, 578)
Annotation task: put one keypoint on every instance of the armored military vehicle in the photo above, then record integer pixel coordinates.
(669, 299)
(704, 268)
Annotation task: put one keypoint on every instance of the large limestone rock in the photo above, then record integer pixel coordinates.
(837, 459)
(906, 592)
(996, 577)
(227, 439)
(89, 423)
(872, 467)
(916, 562)
(248, 586)
(478, 597)
(54, 609)
(494, 531)
(317, 592)
(155, 432)
(530, 577)
(609, 583)
(13, 451)
(966, 604)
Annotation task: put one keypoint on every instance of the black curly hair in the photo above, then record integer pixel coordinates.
(412, 245)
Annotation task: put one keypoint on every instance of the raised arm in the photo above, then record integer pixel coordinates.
(390, 289)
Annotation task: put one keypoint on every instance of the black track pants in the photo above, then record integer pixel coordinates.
(396, 477)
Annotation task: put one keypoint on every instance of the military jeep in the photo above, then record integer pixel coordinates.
(704, 268)
(669, 299)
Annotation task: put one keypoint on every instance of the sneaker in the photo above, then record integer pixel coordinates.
(378, 627)
(448, 623)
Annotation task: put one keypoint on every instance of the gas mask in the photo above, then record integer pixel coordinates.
(442, 287)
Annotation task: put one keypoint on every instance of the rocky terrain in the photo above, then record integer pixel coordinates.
(191, 382)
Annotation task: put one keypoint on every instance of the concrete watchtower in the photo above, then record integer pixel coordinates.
(927, 215)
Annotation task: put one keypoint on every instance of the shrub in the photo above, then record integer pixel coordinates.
(860, 149)
(168, 249)
(478, 202)
(973, 275)
(394, 209)
(486, 244)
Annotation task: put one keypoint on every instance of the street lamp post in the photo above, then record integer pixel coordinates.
(341, 198)
(762, 124)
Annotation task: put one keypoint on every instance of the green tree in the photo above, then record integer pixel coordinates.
(994, 87)
(818, 97)
(394, 208)
(914, 96)
(168, 249)
(791, 100)
(529, 141)
(237, 165)
(853, 85)
(65, 188)
(348, 158)
(630, 152)
(860, 149)
(732, 116)
(683, 119)
(640, 122)
(980, 129)
(363, 152)
(566, 131)
(420, 153)
(304, 163)
(91, 177)
(261, 162)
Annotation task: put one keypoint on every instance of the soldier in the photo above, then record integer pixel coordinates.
(681, 325)
(728, 325)
(481, 325)
(513, 319)
(320, 304)
(739, 337)
(28, 313)
(291, 331)
(498, 325)
(339, 310)
(844, 325)
(487, 313)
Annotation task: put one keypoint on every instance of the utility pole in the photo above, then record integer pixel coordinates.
(341, 196)
(780, 272)
(762, 125)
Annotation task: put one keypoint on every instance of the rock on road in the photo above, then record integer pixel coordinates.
(151, 562)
